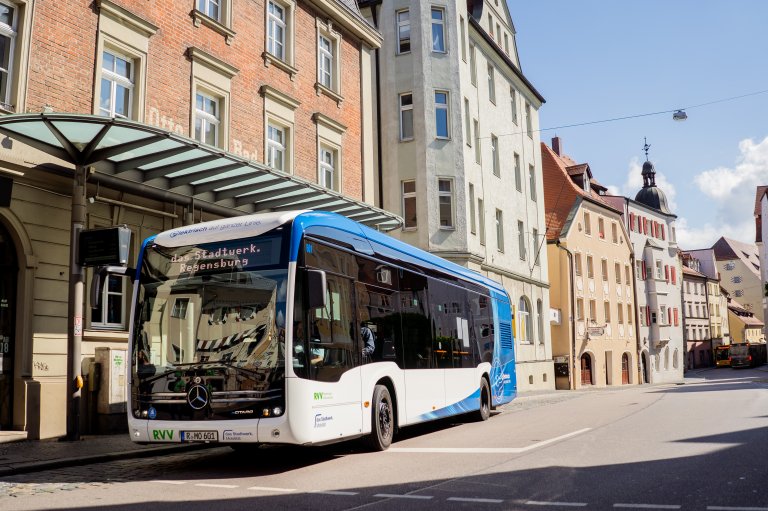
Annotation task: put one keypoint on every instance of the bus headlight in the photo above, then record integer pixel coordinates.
(277, 411)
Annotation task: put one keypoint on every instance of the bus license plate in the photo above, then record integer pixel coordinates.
(199, 436)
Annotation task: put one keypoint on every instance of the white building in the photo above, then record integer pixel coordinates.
(658, 275)
(761, 209)
(460, 156)
(739, 267)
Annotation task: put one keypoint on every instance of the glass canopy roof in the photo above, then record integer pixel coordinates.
(160, 159)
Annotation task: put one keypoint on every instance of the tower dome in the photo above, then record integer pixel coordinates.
(650, 194)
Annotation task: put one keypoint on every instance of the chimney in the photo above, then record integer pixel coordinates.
(556, 145)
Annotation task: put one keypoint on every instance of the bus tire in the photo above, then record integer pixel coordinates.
(382, 419)
(484, 413)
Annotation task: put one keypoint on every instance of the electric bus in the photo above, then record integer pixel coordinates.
(249, 330)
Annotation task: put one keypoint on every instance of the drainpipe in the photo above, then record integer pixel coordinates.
(374, 14)
(637, 317)
(572, 316)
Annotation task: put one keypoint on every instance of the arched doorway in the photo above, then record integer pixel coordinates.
(644, 367)
(8, 272)
(625, 369)
(586, 369)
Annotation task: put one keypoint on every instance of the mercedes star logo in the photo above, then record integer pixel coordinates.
(197, 397)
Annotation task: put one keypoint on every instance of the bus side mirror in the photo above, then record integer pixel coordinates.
(100, 275)
(316, 289)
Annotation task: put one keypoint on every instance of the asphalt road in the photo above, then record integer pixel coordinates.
(702, 445)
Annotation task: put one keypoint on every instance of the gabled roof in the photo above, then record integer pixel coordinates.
(692, 272)
(560, 191)
(728, 250)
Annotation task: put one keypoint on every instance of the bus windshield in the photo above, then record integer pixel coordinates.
(211, 313)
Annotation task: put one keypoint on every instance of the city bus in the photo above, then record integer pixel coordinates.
(747, 354)
(722, 355)
(250, 330)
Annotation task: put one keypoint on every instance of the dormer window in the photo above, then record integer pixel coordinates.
(585, 180)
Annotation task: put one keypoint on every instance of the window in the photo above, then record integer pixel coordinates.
(495, 155)
(207, 119)
(481, 220)
(643, 316)
(536, 261)
(525, 325)
(540, 320)
(445, 202)
(518, 175)
(528, 120)
(620, 314)
(614, 232)
(277, 141)
(467, 125)
(500, 230)
(659, 270)
(592, 311)
(491, 84)
(210, 8)
(626, 274)
(478, 153)
(111, 311)
(441, 115)
(8, 33)
(438, 30)
(506, 44)
(513, 103)
(116, 84)
(577, 263)
(607, 311)
(580, 309)
(472, 65)
(590, 268)
(663, 315)
(403, 32)
(276, 29)
(587, 224)
(601, 228)
(521, 239)
(472, 208)
(409, 204)
(498, 33)
(328, 163)
(325, 62)
(406, 116)
(629, 313)
(617, 271)
(463, 39)
(604, 269)
(532, 179)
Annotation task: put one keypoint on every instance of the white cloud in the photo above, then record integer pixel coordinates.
(692, 238)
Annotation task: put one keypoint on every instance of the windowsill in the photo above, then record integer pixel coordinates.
(447, 228)
(407, 139)
(280, 64)
(117, 333)
(199, 18)
(447, 139)
(410, 229)
(6, 109)
(322, 89)
(402, 53)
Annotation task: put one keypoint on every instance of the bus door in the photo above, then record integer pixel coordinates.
(334, 355)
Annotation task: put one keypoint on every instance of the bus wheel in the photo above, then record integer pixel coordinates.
(485, 401)
(382, 419)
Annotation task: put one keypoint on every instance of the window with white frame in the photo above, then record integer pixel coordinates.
(463, 31)
(528, 120)
(532, 181)
(577, 263)
(513, 103)
(607, 311)
(406, 116)
(110, 314)
(276, 29)
(472, 208)
(467, 125)
(620, 313)
(277, 144)
(438, 30)
(328, 60)
(481, 219)
(587, 224)
(207, 118)
(409, 204)
(478, 152)
(472, 65)
(117, 83)
(592, 310)
(506, 44)
(518, 174)
(445, 202)
(211, 8)
(442, 119)
(659, 270)
(590, 268)
(535, 237)
(580, 309)
(500, 230)
(8, 33)
(540, 320)
(525, 325)
(491, 84)
(521, 239)
(495, 156)
(328, 163)
(617, 272)
(403, 32)
(325, 61)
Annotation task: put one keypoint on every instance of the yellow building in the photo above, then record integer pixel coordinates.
(594, 337)
(745, 327)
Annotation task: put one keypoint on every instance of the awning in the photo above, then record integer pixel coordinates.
(160, 159)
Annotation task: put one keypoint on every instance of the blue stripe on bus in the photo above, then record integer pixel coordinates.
(468, 404)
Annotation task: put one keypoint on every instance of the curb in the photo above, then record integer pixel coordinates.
(38, 466)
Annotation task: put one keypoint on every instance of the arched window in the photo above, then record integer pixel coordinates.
(540, 320)
(524, 323)
(674, 359)
(666, 359)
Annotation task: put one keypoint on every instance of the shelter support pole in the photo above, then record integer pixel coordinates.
(76, 305)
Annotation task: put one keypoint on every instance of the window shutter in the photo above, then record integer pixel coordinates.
(676, 317)
(662, 231)
(666, 272)
(631, 221)
(653, 229)
(669, 316)
(674, 275)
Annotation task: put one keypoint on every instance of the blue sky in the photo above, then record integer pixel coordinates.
(602, 59)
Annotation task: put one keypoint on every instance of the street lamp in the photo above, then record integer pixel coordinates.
(679, 115)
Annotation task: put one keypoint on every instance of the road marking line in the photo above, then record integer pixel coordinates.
(334, 492)
(730, 508)
(161, 481)
(648, 506)
(542, 503)
(395, 496)
(485, 501)
(267, 488)
(208, 485)
(486, 450)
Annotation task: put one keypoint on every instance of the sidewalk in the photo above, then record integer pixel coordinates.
(22, 456)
